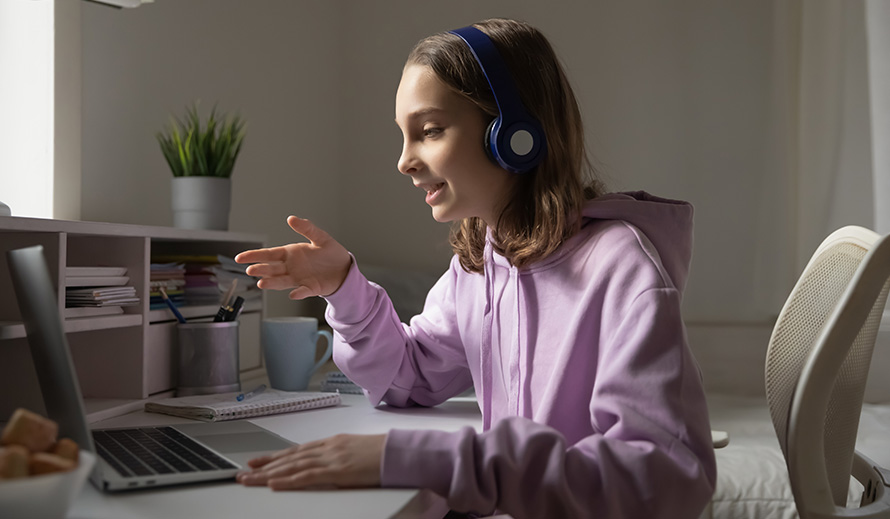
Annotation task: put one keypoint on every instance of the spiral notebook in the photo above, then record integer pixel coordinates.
(224, 406)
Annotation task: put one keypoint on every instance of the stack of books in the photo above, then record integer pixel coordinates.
(227, 271)
(195, 285)
(170, 277)
(208, 277)
(200, 285)
(93, 291)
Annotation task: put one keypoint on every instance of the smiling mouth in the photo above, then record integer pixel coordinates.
(433, 188)
(431, 191)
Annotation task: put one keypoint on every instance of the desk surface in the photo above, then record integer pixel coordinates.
(228, 499)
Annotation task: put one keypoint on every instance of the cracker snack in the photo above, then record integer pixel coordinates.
(34, 432)
(13, 462)
(28, 447)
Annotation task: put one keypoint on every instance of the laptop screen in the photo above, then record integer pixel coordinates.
(49, 347)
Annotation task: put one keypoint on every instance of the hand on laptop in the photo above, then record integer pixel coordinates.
(342, 461)
(317, 268)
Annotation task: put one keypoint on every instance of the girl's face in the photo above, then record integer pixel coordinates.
(443, 150)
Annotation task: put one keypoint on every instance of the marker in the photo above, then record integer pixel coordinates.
(244, 396)
(224, 307)
(221, 314)
(172, 307)
(235, 309)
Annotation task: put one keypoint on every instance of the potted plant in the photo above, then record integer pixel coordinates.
(201, 159)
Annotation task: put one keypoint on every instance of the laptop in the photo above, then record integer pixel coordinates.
(127, 458)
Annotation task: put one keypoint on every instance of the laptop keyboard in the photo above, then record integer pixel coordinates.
(155, 450)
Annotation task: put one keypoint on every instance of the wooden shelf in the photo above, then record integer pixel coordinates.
(16, 330)
(120, 359)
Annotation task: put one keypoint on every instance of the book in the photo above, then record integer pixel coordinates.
(94, 271)
(95, 281)
(101, 296)
(91, 311)
(224, 406)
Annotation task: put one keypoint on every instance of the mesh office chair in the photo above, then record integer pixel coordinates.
(816, 368)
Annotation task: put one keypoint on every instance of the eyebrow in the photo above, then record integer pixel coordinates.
(425, 111)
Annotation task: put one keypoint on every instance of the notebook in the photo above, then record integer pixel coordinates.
(224, 406)
(140, 457)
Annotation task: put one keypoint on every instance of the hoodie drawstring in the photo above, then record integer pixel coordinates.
(485, 346)
(516, 390)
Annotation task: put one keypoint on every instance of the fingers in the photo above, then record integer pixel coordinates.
(310, 478)
(259, 462)
(284, 472)
(281, 465)
(290, 458)
(262, 255)
(266, 269)
(307, 229)
(262, 460)
(276, 283)
(301, 292)
(340, 461)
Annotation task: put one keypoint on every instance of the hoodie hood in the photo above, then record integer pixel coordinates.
(666, 223)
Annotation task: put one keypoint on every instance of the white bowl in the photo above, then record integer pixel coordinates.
(44, 497)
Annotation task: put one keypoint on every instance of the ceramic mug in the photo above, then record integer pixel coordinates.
(289, 348)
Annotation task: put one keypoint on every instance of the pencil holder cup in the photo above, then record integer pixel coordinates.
(208, 358)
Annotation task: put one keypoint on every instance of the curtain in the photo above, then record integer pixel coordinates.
(834, 176)
(877, 16)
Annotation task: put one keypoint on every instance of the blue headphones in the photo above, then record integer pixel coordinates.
(514, 140)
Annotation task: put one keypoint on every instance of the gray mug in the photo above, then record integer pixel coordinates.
(289, 348)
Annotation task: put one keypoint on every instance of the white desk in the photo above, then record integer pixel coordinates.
(229, 499)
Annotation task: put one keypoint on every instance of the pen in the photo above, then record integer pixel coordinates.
(244, 396)
(172, 307)
(224, 307)
(229, 292)
(235, 309)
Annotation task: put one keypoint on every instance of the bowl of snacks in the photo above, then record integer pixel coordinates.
(40, 474)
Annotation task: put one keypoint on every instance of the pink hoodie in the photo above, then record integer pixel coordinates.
(592, 404)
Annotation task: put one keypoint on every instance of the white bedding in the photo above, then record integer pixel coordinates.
(752, 481)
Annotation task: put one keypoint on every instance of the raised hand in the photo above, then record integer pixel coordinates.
(342, 461)
(317, 268)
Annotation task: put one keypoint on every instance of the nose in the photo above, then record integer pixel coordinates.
(408, 161)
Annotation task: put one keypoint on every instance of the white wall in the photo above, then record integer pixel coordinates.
(678, 100)
(685, 99)
(273, 62)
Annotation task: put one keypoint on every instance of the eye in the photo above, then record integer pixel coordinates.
(431, 131)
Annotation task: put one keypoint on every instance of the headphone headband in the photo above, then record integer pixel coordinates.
(515, 139)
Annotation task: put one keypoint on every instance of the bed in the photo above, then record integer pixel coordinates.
(752, 481)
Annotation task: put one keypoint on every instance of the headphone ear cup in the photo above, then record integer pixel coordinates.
(488, 142)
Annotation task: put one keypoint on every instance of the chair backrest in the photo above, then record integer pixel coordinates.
(817, 366)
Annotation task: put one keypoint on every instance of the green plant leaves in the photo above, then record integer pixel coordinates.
(191, 150)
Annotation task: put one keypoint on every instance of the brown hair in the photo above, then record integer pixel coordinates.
(543, 209)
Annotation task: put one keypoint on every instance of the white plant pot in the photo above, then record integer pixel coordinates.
(201, 202)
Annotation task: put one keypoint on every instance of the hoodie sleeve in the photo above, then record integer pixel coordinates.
(402, 365)
(650, 455)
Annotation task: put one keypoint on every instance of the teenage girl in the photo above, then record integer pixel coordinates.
(561, 308)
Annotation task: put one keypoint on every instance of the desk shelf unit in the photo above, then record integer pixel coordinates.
(119, 358)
